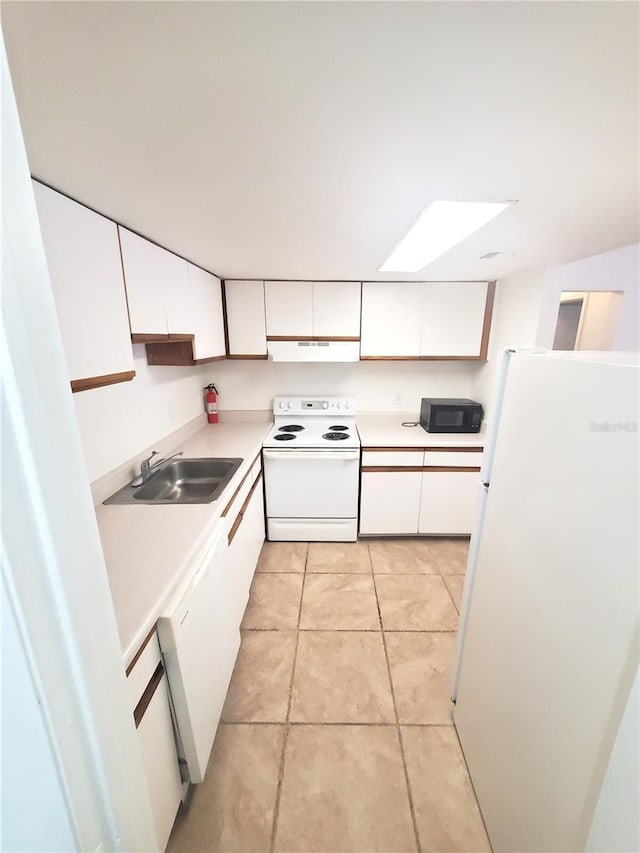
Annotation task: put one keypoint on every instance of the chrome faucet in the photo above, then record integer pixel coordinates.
(147, 469)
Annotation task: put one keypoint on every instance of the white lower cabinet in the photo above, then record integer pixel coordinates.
(447, 502)
(401, 494)
(149, 695)
(390, 502)
(160, 761)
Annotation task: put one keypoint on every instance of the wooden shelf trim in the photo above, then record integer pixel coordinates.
(100, 381)
(225, 511)
(422, 447)
(246, 356)
(144, 338)
(385, 469)
(329, 338)
(147, 696)
(422, 358)
(145, 642)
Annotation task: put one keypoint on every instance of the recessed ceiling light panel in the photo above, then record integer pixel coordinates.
(440, 226)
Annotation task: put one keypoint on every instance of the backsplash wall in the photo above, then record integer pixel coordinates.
(119, 421)
(377, 386)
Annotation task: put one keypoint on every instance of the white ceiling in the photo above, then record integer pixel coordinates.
(301, 140)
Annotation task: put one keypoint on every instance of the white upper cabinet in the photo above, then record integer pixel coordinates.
(391, 320)
(336, 309)
(452, 318)
(429, 320)
(155, 280)
(170, 297)
(83, 258)
(246, 318)
(289, 308)
(206, 318)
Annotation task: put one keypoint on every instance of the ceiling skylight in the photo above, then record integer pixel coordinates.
(440, 226)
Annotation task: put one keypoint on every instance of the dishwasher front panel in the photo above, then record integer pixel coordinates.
(199, 639)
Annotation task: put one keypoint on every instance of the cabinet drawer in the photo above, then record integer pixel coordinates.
(392, 458)
(235, 502)
(453, 459)
(142, 670)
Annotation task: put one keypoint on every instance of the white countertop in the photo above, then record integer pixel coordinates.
(147, 548)
(385, 429)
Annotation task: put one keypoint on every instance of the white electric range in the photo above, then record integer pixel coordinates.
(311, 470)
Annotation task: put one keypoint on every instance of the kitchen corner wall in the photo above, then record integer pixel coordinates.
(526, 307)
(382, 386)
(119, 421)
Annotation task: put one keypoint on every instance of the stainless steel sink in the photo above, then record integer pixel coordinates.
(181, 481)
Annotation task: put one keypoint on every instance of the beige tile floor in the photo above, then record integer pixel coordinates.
(336, 734)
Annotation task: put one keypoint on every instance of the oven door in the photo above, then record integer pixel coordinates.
(311, 483)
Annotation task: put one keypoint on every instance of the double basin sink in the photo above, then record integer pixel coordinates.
(181, 481)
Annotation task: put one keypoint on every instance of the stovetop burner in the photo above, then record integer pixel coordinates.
(291, 428)
(284, 436)
(335, 436)
(339, 428)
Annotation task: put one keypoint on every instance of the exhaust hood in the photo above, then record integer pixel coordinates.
(313, 350)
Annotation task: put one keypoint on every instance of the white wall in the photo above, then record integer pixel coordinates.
(526, 306)
(616, 270)
(515, 322)
(377, 386)
(119, 421)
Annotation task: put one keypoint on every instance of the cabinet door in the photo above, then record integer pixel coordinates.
(289, 308)
(390, 502)
(160, 762)
(336, 309)
(452, 318)
(447, 503)
(205, 297)
(391, 319)
(253, 534)
(83, 258)
(157, 287)
(245, 318)
(244, 550)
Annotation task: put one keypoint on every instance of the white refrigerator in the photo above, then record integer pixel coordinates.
(548, 638)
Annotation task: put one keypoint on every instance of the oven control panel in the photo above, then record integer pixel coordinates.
(314, 405)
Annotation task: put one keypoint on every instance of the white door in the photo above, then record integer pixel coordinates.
(289, 308)
(390, 502)
(551, 642)
(447, 502)
(83, 258)
(391, 319)
(205, 296)
(336, 309)
(452, 318)
(246, 318)
(311, 484)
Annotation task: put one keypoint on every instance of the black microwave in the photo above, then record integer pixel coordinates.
(450, 414)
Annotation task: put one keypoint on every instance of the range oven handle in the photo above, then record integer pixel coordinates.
(324, 455)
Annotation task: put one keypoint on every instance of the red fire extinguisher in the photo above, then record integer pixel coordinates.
(211, 403)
